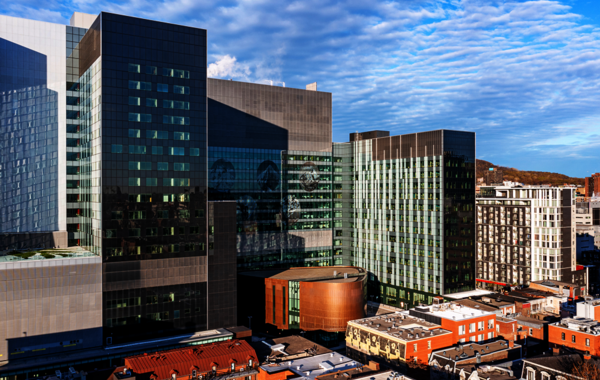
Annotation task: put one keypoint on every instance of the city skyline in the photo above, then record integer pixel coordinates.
(520, 75)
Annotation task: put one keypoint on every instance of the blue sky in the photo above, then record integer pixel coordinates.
(524, 75)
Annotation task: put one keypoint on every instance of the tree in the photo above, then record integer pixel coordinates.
(586, 370)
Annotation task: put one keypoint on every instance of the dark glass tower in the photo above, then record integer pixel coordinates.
(143, 173)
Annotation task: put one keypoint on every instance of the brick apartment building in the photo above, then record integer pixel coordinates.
(581, 334)
(592, 185)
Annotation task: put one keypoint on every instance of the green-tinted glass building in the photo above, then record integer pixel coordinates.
(404, 210)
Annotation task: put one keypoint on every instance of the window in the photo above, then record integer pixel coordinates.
(180, 120)
(134, 232)
(491, 324)
(176, 151)
(110, 234)
(151, 102)
(133, 101)
(573, 338)
(182, 167)
(181, 136)
(175, 104)
(140, 118)
(137, 215)
(136, 85)
(133, 68)
(157, 150)
(562, 336)
(183, 90)
(151, 182)
(162, 87)
(472, 327)
(429, 344)
(151, 70)
(530, 373)
(530, 331)
(233, 366)
(116, 215)
(415, 347)
(175, 314)
(176, 73)
(162, 214)
(161, 135)
(135, 181)
(587, 342)
(135, 133)
(137, 165)
(461, 330)
(184, 214)
(176, 182)
(137, 149)
(194, 152)
(163, 166)
(115, 148)
(480, 325)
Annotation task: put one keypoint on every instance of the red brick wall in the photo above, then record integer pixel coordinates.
(262, 375)
(555, 338)
(507, 330)
(423, 350)
(451, 325)
(535, 333)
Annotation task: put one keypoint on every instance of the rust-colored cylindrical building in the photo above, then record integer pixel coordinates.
(315, 298)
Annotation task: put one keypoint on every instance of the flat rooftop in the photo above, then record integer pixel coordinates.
(586, 325)
(44, 254)
(453, 311)
(313, 366)
(328, 274)
(467, 294)
(286, 348)
(470, 350)
(400, 326)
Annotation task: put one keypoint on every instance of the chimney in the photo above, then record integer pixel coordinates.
(312, 86)
(555, 351)
(587, 356)
(373, 365)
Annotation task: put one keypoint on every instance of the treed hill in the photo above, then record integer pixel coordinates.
(528, 177)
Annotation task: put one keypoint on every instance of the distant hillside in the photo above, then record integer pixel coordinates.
(528, 177)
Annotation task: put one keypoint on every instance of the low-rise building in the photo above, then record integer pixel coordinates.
(463, 359)
(582, 334)
(307, 368)
(467, 324)
(490, 303)
(217, 361)
(589, 308)
(560, 366)
(395, 339)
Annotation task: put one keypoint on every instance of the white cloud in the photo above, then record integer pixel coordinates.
(227, 67)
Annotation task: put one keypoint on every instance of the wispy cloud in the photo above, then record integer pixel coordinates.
(524, 75)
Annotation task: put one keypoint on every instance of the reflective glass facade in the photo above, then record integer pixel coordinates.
(270, 151)
(143, 172)
(403, 210)
(32, 71)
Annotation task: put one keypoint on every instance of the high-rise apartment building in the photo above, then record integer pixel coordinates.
(404, 210)
(525, 234)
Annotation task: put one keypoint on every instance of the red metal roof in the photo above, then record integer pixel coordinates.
(184, 360)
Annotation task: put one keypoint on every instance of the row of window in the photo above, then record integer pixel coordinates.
(177, 166)
(161, 135)
(147, 118)
(154, 181)
(160, 214)
(157, 249)
(153, 70)
(174, 104)
(157, 150)
(160, 87)
(153, 231)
